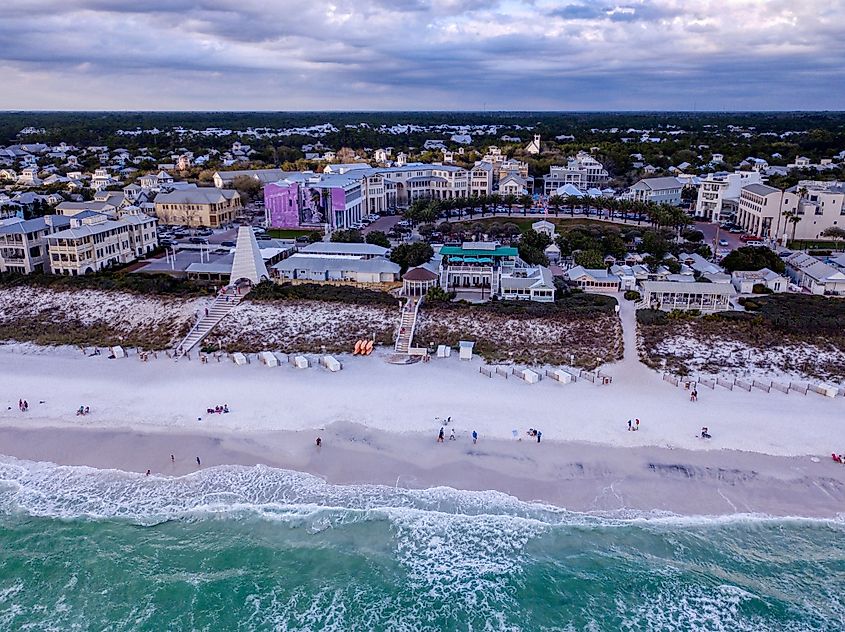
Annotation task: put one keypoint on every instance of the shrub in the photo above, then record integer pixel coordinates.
(760, 288)
(269, 291)
(652, 317)
(819, 253)
(632, 295)
(133, 283)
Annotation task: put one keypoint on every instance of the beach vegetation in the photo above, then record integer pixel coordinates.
(268, 291)
(108, 281)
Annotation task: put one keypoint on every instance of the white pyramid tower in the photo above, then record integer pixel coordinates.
(248, 263)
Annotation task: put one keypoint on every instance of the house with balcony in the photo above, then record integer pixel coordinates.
(23, 243)
(656, 190)
(478, 271)
(704, 297)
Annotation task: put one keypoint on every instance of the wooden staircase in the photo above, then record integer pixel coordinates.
(221, 307)
(407, 325)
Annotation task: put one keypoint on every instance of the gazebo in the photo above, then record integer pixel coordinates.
(418, 281)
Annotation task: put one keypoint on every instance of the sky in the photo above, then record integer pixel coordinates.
(422, 55)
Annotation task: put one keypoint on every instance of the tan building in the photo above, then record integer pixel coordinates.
(759, 211)
(198, 206)
(94, 242)
(23, 243)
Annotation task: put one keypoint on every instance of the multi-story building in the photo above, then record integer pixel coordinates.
(481, 179)
(803, 211)
(93, 242)
(198, 206)
(719, 193)
(479, 271)
(339, 200)
(582, 171)
(657, 190)
(759, 211)
(819, 205)
(23, 243)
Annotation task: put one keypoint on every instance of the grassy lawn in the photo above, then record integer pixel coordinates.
(562, 224)
(288, 233)
(807, 244)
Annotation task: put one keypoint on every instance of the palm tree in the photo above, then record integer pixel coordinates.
(494, 200)
(526, 201)
(792, 217)
(571, 201)
(510, 201)
(555, 201)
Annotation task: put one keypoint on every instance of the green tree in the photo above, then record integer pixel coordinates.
(753, 258)
(411, 255)
(378, 238)
(555, 202)
(655, 244)
(592, 259)
(248, 187)
(349, 236)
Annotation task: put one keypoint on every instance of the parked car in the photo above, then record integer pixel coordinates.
(228, 244)
(735, 229)
(263, 237)
(723, 242)
(749, 238)
(198, 240)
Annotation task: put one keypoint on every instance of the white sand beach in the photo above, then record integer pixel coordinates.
(769, 452)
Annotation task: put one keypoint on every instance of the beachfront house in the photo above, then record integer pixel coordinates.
(745, 280)
(93, 242)
(813, 275)
(478, 271)
(23, 243)
(669, 296)
(594, 280)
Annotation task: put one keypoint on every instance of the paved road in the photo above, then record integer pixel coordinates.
(710, 231)
(385, 224)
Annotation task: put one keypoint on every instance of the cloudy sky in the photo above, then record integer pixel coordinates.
(422, 54)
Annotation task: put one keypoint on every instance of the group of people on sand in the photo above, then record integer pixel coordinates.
(23, 405)
(838, 458)
(633, 426)
(534, 434)
(441, 436)
(82, 411)
(218, 409)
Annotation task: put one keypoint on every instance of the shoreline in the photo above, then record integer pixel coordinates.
(578, 477)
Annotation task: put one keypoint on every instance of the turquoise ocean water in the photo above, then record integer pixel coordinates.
(237, 548)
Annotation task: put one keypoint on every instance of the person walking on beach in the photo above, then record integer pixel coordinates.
(172, 459)
(539, 434)
(637, 425)
(440, 435)
(319, 442)
(25, 405)
(629, 426)
(474, 437)
(452, 435)
(693, 396)
(148, 473)
(198, 461)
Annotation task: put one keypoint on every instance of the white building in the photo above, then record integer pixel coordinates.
(719, 193)
(745, 280)
(93, 242)
(23, 243)
(583, 171)
(319, 268)
(704, 297)
(759, 211)
(813, 275)
(665, 190)
(533, 147)
(594, 280)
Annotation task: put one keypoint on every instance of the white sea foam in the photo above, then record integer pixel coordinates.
(49, 490)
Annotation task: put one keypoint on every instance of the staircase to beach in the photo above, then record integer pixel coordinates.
(407, 324)
(221, 307)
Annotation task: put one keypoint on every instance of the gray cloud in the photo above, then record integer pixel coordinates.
(364, 54)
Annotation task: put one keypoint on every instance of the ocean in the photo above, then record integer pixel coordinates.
(257, 548)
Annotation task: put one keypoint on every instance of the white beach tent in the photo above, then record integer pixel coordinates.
(532, 377)
(331, 363)
(444, 351)
(268, 358)
(118, 352)
(562, 376)
(466, 349)
(300, 362)
(239, 358)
